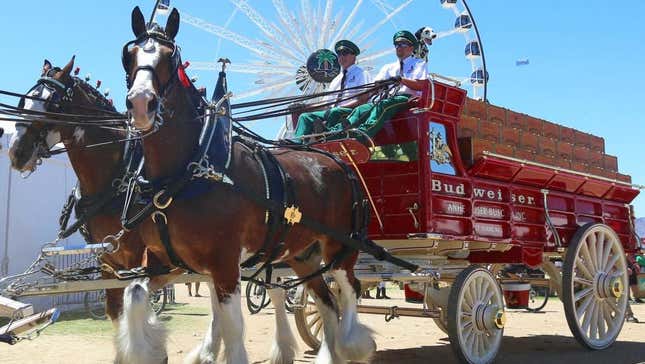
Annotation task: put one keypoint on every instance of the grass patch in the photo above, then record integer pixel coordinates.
(79, 322)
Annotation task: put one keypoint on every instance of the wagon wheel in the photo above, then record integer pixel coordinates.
(538, 297)
(594, 283)
(308, 320)
(256, 296)
(476, 316)
(94, 302)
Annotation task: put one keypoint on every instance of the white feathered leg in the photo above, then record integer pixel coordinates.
(283, 350)
(354, 341)
(233, 329)
(327, 351)
(207, 351)
(141, 338)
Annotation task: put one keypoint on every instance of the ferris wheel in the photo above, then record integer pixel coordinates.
(270, 42)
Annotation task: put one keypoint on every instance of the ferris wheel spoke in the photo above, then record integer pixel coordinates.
(324, 35)
(273, 33)
(447, 33)
(287, 19)
(387, 18)
(348, 21)
(253, 46)
(257, 91)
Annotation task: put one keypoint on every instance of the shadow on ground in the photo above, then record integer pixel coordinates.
(538, 349)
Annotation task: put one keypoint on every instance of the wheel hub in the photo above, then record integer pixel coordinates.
(489, 317)
(607, 286)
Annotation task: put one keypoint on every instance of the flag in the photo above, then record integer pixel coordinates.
(163, 7)
(522, 62)
(220, 150)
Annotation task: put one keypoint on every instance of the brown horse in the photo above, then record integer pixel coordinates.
(213, 232)
(95, 168)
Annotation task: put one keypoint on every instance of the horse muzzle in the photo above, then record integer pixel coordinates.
(143, 108)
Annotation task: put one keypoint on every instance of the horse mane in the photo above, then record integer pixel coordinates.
(99, 98)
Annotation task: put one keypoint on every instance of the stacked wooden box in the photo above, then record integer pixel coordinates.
(486, 127)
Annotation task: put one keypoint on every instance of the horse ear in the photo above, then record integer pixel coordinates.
(138, 22)
(46, 66)
(172, 25)
(67, 70)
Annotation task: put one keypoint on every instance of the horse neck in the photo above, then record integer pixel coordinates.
(94, 167)
(168, 151)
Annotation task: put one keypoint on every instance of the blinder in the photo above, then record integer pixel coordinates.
(175, 61)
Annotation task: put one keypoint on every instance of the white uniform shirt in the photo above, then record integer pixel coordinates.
(356, 76)
(413, 69)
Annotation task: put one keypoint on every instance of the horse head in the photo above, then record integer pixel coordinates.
(151, 63)
(57, 92)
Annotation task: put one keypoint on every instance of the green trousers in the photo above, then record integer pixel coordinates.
(375, 115)
(332, 118)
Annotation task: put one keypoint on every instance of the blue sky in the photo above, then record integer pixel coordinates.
(585, 71)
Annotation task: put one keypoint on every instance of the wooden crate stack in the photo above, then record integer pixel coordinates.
(486, 127)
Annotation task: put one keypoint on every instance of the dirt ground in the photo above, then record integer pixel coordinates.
(528, 338)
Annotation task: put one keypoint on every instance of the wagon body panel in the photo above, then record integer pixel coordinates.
(493, 198)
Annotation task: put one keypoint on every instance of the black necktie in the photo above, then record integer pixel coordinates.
(401, 68)
(342, 87)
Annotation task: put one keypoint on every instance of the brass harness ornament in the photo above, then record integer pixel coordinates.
(293, 215)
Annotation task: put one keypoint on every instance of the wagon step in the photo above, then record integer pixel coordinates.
(28, 327)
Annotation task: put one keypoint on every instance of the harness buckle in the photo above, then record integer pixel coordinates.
(293, 215)
(159, 213)
(158, 204)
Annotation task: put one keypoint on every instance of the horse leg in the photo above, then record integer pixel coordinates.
(328, 312)
(284, 346)
(207, 351)
(114, 305)
(232, 329)
(354, 341)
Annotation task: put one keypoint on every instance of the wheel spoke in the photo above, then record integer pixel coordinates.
(600, 242)
(602, 330)
(583, 306)
(586, 321)
(582, 268)
(583, 293)
(606, 308)
(314, 321)
(316, 330)
(584, 250)
(611, 263)
(593, 332)
(586, 282)
(605, 256)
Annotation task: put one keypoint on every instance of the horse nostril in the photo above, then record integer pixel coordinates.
(152, 105)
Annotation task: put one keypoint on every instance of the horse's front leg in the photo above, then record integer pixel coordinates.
(283, 350)
(208, 350)
(232, 322)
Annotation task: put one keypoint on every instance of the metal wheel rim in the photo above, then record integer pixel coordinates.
(479, 289)
(597, 257)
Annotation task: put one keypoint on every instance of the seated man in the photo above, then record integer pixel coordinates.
(351, 76)
(412, 72)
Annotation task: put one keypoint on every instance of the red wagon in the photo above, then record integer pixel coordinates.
(459, 186)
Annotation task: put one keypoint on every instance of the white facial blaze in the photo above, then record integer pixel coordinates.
(142, 90)
(37, 105)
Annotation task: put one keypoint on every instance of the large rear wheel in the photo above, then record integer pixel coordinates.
(594, 284)
(476, 316)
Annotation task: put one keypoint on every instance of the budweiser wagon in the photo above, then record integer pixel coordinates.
(459, 186)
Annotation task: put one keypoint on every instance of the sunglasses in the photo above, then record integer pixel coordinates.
(344, 52)
(402, 44)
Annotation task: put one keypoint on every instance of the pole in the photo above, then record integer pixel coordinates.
(4, 266)
(154, 13)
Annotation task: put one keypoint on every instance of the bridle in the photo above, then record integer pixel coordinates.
(61, 95)
(175, 62)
